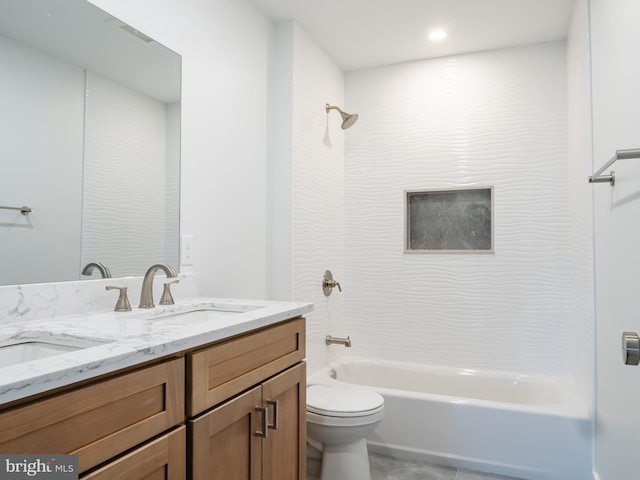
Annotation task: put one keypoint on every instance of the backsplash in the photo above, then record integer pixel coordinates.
(50, 300)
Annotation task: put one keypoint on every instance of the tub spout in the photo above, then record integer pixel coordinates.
(329, 340)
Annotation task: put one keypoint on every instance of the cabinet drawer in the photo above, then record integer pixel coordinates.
(161, 459)
(100, 420)
(226, 369)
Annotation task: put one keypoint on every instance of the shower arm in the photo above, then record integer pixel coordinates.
(611, 178)
(348, 119)
(328, 108)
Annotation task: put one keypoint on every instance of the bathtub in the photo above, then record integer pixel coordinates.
(535, 428)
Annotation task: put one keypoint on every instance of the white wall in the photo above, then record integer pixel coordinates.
(580, 166)
(41, 165)
(313, 180)
(489, 119)
(225, 50)
(280, 165)
(172, 187)
(616, 125)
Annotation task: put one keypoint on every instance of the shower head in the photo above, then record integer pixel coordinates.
(348, 119)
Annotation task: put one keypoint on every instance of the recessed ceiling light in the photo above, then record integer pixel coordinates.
(437, 35)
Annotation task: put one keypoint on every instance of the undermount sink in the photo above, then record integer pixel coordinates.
(199, 308)
(34, 349)
(224, 307)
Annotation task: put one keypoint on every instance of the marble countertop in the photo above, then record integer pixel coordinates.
(115, 340)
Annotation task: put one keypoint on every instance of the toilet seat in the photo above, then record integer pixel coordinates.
(343, 402)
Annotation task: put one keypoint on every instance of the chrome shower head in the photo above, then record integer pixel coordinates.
(348, 119)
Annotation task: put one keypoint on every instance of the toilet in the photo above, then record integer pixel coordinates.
(338, 420)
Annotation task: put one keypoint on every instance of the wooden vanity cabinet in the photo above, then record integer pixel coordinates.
(256, 429)
(285, 447)
(100, 420)
(194, 415)
(236, 440)
(161, 459)
(218, 372)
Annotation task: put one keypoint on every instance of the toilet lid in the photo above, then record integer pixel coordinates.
(342, 402)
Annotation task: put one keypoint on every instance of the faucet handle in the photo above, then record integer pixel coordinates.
(167, 298)
(122, 305)
(328, 283)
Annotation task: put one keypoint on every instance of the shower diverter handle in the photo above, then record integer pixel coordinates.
(328, 283)
(630, 348)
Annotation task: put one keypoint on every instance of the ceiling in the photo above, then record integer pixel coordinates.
(82, 34)
(359, 34)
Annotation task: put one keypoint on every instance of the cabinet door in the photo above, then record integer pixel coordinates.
(161, 459)
(284, 449)
(224, 442)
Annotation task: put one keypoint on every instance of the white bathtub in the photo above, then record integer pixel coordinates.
(534, 428)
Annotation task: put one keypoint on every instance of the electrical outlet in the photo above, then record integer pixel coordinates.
(186, 250)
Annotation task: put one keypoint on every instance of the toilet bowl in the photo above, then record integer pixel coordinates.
(338, 420)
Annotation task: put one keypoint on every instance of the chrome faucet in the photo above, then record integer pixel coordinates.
(101, 267)
(146, 296)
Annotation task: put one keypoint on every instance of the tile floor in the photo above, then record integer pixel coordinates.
(387, 468)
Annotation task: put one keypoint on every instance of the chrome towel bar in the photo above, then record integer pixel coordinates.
(611, 178)
(23, 210)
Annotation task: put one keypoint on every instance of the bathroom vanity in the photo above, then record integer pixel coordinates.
(205, 389)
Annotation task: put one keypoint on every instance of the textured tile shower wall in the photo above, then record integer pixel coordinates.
(581, 200)
(489, 119)
(317, 191)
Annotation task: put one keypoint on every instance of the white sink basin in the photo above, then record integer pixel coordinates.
(199, 309)
(29, 350)
(224, 307)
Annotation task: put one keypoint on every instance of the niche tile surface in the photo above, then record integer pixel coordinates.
(449, 221)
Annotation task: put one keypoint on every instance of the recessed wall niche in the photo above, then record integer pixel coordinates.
(449, 221)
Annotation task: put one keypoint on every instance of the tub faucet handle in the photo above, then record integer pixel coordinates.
(328, 283)
(630, 348)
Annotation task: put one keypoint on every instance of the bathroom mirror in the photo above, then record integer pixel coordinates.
(90, 130)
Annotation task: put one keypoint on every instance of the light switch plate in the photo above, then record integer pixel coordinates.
(186, 250)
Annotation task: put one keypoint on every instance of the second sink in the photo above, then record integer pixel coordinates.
(204, 307)
(35, 349)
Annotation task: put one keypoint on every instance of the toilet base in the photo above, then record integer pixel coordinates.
(314, 461)
(345, 461)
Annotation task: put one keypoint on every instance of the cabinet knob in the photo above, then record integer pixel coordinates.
(630, 348)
